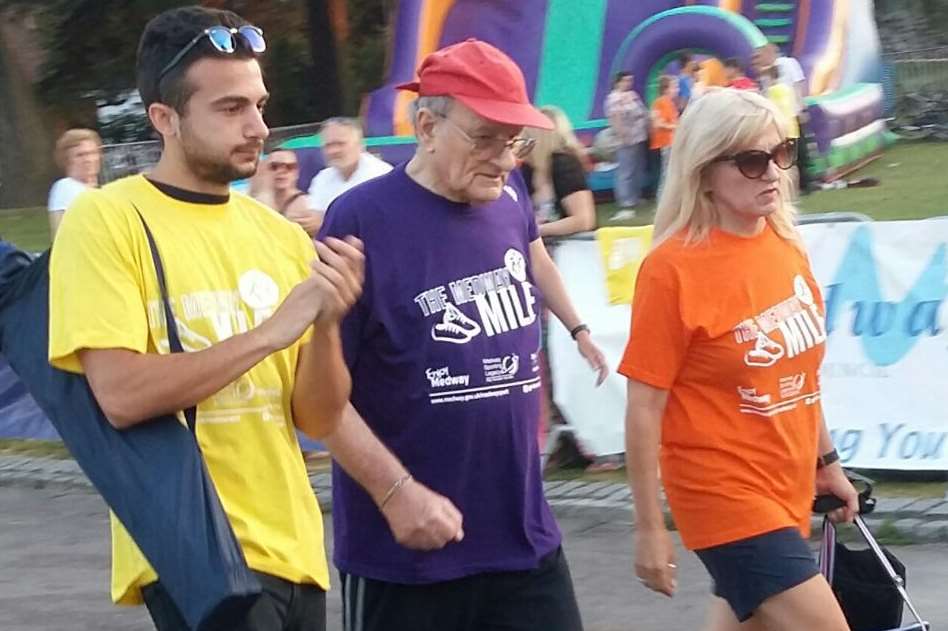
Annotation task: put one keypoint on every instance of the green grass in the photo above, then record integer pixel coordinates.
(37, 448)
(913, 184)
(28, 228)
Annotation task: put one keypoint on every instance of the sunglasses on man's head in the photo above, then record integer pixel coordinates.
(753, 164)
(282, 166)
(223, 39)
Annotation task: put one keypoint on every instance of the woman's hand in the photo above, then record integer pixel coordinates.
(832, 480)
(655, 560)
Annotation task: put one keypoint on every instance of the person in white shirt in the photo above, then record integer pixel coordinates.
(791, 73)
(349, 163)
(78, 153)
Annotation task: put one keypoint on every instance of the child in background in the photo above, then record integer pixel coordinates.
(664, 121)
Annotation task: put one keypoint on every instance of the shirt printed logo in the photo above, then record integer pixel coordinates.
(455, 327)
(750, 395)
(204, 318)
(501, 368)
(503, 298)
(797, 318)
(442, 378)
(792, 386)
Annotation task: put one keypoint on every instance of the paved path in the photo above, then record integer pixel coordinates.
(54, 571)
(920, 519)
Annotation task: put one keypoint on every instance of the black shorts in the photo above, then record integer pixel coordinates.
(529, 600)
(282, 605)
(749, 571)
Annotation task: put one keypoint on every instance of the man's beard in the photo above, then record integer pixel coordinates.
(217, 169)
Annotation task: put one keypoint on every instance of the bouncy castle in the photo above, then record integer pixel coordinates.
(569, 52)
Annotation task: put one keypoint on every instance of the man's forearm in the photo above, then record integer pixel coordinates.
(554, 291)
(323, 384)
(363, 456)
(135, 387)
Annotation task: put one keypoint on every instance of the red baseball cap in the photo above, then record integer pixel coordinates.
(482, 78)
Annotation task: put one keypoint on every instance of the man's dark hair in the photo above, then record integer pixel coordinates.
(684, 59)
(734, 62)
(164, 37)
(622, 74)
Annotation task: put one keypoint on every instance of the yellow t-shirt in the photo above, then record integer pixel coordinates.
(228, 265)
(785, 99)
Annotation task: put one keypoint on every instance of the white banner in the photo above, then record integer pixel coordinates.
(885, 376)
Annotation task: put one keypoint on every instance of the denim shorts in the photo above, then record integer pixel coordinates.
(749, 571)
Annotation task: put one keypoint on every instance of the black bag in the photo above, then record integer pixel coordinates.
(869, 598)
(869, 584)
(152, 475)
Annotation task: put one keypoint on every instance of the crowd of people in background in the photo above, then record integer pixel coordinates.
(780, 78)
(556, 172)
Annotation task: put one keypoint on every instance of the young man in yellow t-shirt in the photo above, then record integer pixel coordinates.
(255, 308)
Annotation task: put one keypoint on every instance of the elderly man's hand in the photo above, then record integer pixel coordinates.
(593, 356)
(420, 519)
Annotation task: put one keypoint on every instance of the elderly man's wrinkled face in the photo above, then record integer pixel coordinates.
(472, 158)
(342, 146)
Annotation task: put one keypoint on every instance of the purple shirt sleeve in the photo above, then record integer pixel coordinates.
(517, 182)
(341, 221)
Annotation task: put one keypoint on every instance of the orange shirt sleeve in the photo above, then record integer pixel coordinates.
(659, 337)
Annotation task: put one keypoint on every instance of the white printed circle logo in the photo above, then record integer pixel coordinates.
(258, 290)
(802, 291)
(515, 264)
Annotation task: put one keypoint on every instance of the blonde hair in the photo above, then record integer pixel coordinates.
(560, 139)
(71, 139)
(712, 72)
(723, 121)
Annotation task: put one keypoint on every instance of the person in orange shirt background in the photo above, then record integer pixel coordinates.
(727, 336)
(664, 122)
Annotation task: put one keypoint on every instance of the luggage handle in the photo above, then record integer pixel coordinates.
(884, 560)
(823, 504)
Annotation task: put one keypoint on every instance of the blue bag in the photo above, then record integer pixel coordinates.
(152, 475)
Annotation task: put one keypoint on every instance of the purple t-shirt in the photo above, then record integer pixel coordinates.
(443, 349)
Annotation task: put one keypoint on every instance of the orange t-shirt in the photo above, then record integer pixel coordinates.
(667, 112)
(734, 328)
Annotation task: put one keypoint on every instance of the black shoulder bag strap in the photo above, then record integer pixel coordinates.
(174, 341)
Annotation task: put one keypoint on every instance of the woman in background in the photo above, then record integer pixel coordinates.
(78, 153)
(555, 173)
(274, 184)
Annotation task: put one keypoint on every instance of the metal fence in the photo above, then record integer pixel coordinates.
(915, 72)
(135, 157)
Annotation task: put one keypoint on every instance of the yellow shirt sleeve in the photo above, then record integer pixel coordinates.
(96, 289)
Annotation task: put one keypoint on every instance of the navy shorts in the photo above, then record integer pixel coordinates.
(749, 571)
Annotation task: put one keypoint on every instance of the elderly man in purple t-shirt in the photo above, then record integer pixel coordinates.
(440, 519)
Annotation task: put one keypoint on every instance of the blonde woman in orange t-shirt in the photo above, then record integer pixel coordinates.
(723, 363)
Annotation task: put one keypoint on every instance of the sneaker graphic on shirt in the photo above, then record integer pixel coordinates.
(455, 327)
(765, 353)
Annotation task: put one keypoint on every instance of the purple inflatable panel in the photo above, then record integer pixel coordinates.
(621, 19)
(680, 32)
(514, 27)
(838, 117)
